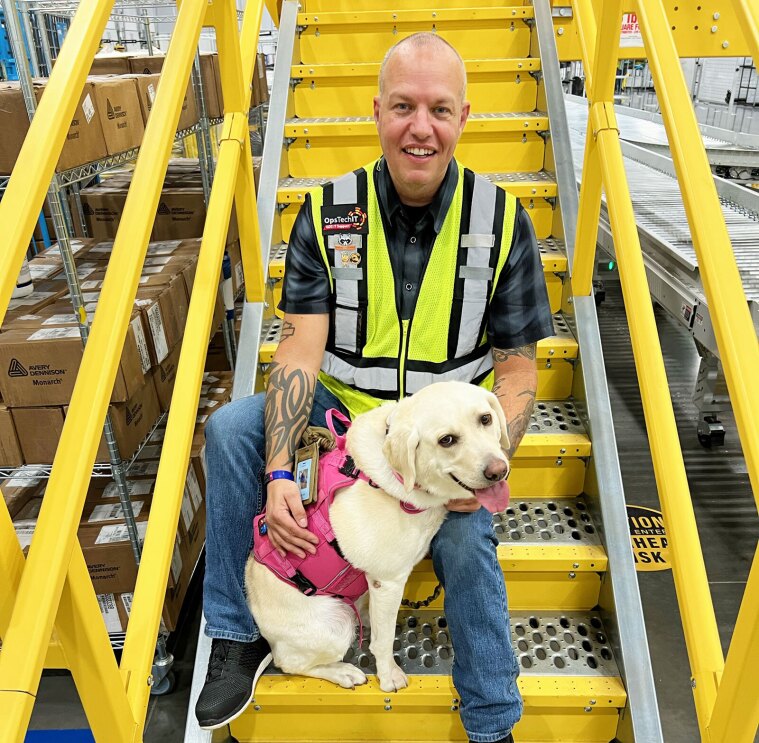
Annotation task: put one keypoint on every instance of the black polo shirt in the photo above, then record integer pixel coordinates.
(519, 313)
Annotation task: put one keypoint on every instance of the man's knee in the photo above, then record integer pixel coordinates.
(237, 420)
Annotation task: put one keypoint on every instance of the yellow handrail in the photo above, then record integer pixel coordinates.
(53, 587)
(726, 704)
(689, 572)
(151, 581)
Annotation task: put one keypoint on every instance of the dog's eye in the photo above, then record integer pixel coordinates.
(447, 441)
(486, 420)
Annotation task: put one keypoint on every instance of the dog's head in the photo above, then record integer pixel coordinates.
(450, 439)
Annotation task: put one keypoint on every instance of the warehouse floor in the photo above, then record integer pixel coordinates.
(725, 511)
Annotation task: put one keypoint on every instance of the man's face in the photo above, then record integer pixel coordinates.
(420, 117)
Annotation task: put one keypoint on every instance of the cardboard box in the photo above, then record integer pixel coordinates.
(85, 140)
(164, 377)
(132, 421)
(102, 207)
(39, 431)
(146, 64)
(118, 106)
(21, 487)
(110, 65)
(39, 367)
(181, 213)
(211, 81)
(10, 447)
(147, 89)
(109, 556)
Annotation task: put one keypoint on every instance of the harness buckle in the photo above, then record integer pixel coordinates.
(303, 584)
(349, 468)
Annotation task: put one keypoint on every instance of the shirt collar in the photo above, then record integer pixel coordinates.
(391, 203)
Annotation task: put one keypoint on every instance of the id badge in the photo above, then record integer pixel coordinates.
(306, 471)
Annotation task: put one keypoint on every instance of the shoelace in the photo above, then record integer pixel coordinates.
(219, 652)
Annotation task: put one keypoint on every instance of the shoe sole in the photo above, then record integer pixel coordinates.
(261, 668)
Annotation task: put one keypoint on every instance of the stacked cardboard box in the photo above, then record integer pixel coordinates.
(113, 108)
(102, 531)
(107, 120)
(181, 211)
(41, 351)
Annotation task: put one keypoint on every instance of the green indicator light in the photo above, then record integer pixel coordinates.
(612, 265)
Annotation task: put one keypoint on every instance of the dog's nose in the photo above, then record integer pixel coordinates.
(496, 469)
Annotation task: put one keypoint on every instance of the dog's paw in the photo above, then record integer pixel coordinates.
(348, 676)
(395, 680)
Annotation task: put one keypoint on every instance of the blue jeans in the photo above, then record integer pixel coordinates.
(463, 554)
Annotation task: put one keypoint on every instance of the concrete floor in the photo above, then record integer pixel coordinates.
(725, 511)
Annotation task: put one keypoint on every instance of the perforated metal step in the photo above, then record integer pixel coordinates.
(558, 644)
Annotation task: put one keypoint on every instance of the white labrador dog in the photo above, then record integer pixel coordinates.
(447, 441)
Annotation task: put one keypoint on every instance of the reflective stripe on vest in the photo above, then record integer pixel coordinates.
(446, 334)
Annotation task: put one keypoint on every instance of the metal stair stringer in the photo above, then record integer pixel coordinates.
(620, 602)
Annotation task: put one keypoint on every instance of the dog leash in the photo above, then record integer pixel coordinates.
(423, 604)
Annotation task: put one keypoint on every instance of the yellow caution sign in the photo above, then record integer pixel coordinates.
(648, 538)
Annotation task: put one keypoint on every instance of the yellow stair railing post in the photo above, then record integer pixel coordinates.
(234, 163)
(689, 572)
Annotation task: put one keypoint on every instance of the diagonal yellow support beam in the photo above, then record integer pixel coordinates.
(735, 718)
(42, 582)
(747, 12)
(234, 164)
(22, 200)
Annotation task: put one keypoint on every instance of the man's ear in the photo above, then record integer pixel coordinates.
(376, 109)
(400, 450)
(495, 404)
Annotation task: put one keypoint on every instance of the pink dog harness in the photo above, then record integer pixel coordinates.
(327, 572)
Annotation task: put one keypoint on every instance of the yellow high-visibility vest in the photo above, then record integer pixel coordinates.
(372, 355)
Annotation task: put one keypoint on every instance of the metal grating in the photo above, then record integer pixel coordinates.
(561, 521)
(567, 644)
(541, 176)
(295, 121)
(558, 416)
(560, 327)
(552, 246)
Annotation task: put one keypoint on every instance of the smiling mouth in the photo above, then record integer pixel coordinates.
(418, 151)
(458, 482)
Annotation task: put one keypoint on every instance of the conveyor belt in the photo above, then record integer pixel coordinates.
(660, 213)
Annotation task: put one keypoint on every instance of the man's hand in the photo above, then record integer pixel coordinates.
(286, 519)
(463, 505)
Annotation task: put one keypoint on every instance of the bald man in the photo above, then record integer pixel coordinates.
(405, 272)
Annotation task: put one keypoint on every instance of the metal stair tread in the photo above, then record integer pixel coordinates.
(371, 69)
(562, 345)
(550, 644)
(324, 126)
(522, 184)
(342, 18)
(551, 254)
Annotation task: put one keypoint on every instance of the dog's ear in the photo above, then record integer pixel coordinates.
(400, 449)
(501, 418)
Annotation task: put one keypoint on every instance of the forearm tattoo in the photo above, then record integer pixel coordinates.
(517, 404)
(528, 352)
(289, 398)
(288, 330)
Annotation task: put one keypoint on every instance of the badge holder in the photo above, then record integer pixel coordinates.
(306, 471)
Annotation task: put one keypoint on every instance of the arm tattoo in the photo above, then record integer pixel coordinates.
(528, 352)
(518, 424)
(288, 330)
(289, 398)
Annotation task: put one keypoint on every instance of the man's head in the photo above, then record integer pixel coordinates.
(420, 113)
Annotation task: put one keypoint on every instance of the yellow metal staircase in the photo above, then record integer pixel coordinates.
(553, 557)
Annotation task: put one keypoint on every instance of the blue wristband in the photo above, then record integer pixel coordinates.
(278, 475)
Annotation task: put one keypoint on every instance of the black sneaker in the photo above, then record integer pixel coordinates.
(233, 670)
